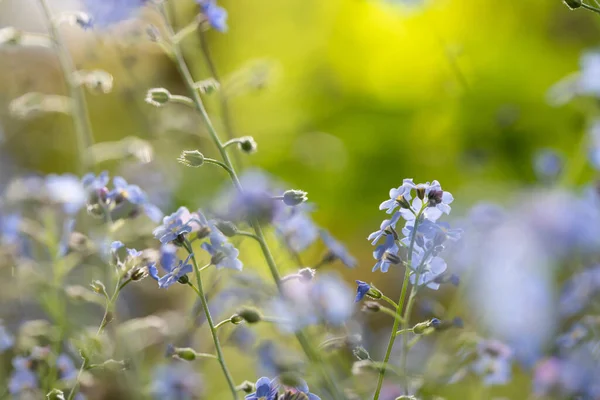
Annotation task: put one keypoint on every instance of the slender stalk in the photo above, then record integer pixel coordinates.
(591, 8)
(189, 82)
(79, 112)
(401, 301)
(220, 324)
(211, 324)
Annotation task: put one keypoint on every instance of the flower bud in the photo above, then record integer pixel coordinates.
(98, 287)
(250, 315)
(361, 353)
(137, 274)
(246, 387)
(374, 293)
(420, 192)
(55, 394)
(227, 228)
(191, 158)
(184, 280)
(158, 97)
(307, 274)
(236, 319)
(247, 144)
(185, 353)
(572, 4)
(371, 306)
(294, 197)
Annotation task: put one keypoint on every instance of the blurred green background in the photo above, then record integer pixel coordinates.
(345, 98)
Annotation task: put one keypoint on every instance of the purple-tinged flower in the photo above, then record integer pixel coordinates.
(174, 272)
(66, 368)
(362, 290)
(223, 253)
(129, 200)
(296, 227)
(175, 381)
(385, 228)
(67, 191)
(266, 389)
(302, 387)
(494, 362)
(433, 197)
(108, 12)
(179, 223)
(337, 251)
(22, 378)
(215, 15)
(399, 195)
(386, 254)
(6, 339)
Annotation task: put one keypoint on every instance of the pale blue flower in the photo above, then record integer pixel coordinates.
(428, 270)
(386, 254)
(401, 193)
(302, 387)
(6, 339)
(547, 164)
(494, 362)
(66, 190)
(296, 227)
(22, 378)
(385, 228)
(179, 223)
(108, 12)
(177, 381)
(224, 254)
(124, 194)
(337, 251)
(361, 290)
(174, 272)
(66, 368)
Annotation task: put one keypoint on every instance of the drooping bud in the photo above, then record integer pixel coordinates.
(227, 228)
(250, 315)
(191, 158)
(185, 353)
(236, 319)
(426, 327)
(248, 144)
(158, 97)
(361, 353)
(294, 197)
(184, 280)
(307, 274)
(371, 306)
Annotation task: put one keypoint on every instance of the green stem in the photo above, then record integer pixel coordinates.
(209, 320)
(81, 119)
(220, 324)
(403, 331)
(401, 301)
(189, 82)
(247, 234)
(591, 8)
(390, 301)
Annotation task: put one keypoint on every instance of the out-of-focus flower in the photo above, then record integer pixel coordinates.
(578, 292)
(67, 191)
(6, 339)
(176, 381)
(296, 227)
(326, 299)
(174, 272)
(215, 15)
(108, 12)
(10, 228)
(594, 151)
(336, 250)
(22, 378)
(223, 253)
(547, 164)
(301, 387)
(266, 389)
(124, 194)
(66, 367)
(494, 362)
(427, 268)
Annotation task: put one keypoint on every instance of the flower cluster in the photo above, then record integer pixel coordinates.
(423, 238)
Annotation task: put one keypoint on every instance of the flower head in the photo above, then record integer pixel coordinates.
(296, 227)
(175, 270)
(22, 378)
(399, 196)
(224, 254)
(215, 15)
(180, 223)
(266, 389)
(362, 290)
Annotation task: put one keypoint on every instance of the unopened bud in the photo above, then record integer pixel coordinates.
(98, 287)
(184, 280)
(374, 293)
(361, 353)
(371, 306)
(420, 192)
(307, 274)
(294, 197)
(248, 144)
(158, 97)
(236, 319)
(246, 387)
(55, 394)
(191, 158)
(572, 4)
(250, 315)
(227, 228)
(423, 328)
(185, 353)
(138, 274)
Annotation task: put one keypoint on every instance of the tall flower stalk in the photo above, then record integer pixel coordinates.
(189, 82)
(78, 107)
